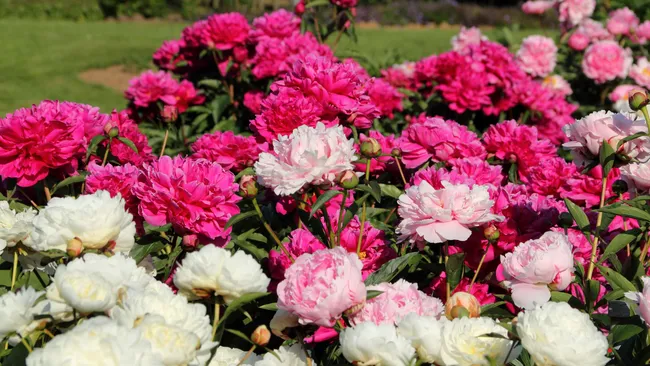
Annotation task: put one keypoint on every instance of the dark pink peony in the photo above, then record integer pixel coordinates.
(197, 197)
(383, 163)
(385, 97)
(253, 100)
(168, 55)
(232, 152)
(481, 291)
(469, 171)
(129, 129)
(278, 24)
(374, 250)
(401, 76)
(549, 176)
(224, 31)
(276, 56)
(585, 189)
(301, 241)
(185, 96)
(150, 87)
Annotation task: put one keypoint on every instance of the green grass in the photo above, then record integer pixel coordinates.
(42, 59)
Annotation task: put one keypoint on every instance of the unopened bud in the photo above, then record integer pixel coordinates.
(565, 220)
(396, 152)
(75, 247)
(300, 8)
(107, 127)
(248, 187)
(113, 132)
(261, 336)
(348, 179)
(638, 100)
(170, 113)
(110, 246)
(619, 187)
(370, 148)
(491, 233)
(190, 242)
(462, 304)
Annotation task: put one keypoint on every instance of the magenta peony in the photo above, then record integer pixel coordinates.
(640, 72)
(585, 189)
(573, 12)
(534, 266)
(276, 56)
(622, 22)
(481, 291)
(151, 87)
(318, 288)
(168, 55)
(197, 197)
(232, 152)
(537, 55)
(605, 61)
(278, 24)
(401, 76)
(549, 176)
(387, 99)
(253, 100)
(537, 7)
(128, 129)
(374, 250)
(225, 31)
(469, 171)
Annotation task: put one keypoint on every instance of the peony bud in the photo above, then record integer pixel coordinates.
(248, 187)
(348, 179)
(619, 187)
(491, 233)
(261, 336)
(170, 113)
(396, 152)
(462, 304)
(638, 100)
(300, 8)
(74, 248)
(190, 242)
(370, 148)
(565, 220)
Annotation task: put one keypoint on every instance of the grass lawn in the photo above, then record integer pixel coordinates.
(43, 59)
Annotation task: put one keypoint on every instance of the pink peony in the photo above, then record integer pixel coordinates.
(469, 171)
(185, 96)
(301, 241)
(232, 152)
(318, 288)
(425, 71)
(585, 189)
(35, 141)
(225, 31)
(586, 136)
(605, 61)
(481, 291)
(594, 30)
(387, 99)
(276, 56)
(537, 55)
(439, 215)
(643, 299)
(537, 7)
(622, 22)
(380, 164)
(168, 55)
(573, 12)
(278, 24)
(637, 176)
(374, 250)
(534, 265)
(439, 140)
(253, 100)
(395, 302)
(401, 76)
(128, 129)
(466, 37)
(151, 87)
(579, 41)
(309, 156)
(643, 32)
(197, 197)
(549, 176)
(557, 84)
(640, 72)
(346, 4)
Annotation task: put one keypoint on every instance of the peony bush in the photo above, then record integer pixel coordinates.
(262, 202)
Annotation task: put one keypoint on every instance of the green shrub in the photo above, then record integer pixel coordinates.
(51, 9)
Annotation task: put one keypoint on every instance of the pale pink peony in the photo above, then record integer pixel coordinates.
(318, 288)
(466, 37)
(278, 24)
(573, 12)
(586, 136)
(197, 197)
(397, 301)
(557, 84)
(301, 241)
(534, 266)
(439, 140)
(549, 176)
(232, 152)
(439, 215)
(537, 7)
(151, 87)
(594, 30)
(579, 41)
(537, 55)
(225, 31)
(309, 156)
(637, 176)
(643, 299)
(128, 129)
(605, 61)
(622, 22)
(640, 72)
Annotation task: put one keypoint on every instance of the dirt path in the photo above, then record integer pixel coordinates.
(114, 77)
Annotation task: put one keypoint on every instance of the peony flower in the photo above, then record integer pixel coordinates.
(374, 250)
(470, 171)
(98, 221)
(605, 61)
(309, 156)
(585, 189)
(278, 24)
(587, 135)
(557, 334)
(637, 176)
(621, 95)
(276, 56)
(226, 356)
(174, 345)
(640, 72)
(537, 7)
(395, 302)
(622, 22)
(480, 291)
(319, 287)
(14, 226)
(549, 176)
(425, 335)
(225, 31)
(232, 152)
(195, 195)
(466, 37)
(379, 164)
(642, 299)
(253, 101)
(186, 95)
(371, 344)
(439, 140)
(535, 265)
(168, 55)
(444, 214)
(128, 129)
(103, 341)
(537, 55)
(387, 99)
(301, 241)
(557, 84)
(288, 356)
(643, 32)
(464, 343)
(151, 87)
(213, 270)
(17, 314)
(401, 75)
(573, 12)
(579, 41)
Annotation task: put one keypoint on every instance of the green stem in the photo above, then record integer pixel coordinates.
(646, 115)
(480, 264)
(599, 220)
(215, 321)
(108, 148)
(29, 348)
(14, 272)
(368, 170)
(164, 143)
(270, 230)
(401, 173)
(446, 260)
(355, 133)
(339, 224)
(361, 227)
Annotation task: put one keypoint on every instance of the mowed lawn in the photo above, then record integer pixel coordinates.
(43, 59)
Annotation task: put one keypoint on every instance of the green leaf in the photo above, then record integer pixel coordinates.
(513, 173)
(373, 293)
(322, 199)
(390, 190)
(392, 268)
(210, 83)
(578, 215)
(315, 3)
(620, 241)
(454, 269)
(616, 280)
(138, 252)
(239, 217)
(251, 248)
(239, 334)
(607, 157)
(18, 356)
(627, 211)
(247, 171)
(238, 303)
(353, 209)
(376, 191)
(557, 296)
(68, 181)
(622, 332)
(487, 307)
(376, 194)
(271, 307)
(219, 105)
(128, 143)
(93, 144)
(630, 138)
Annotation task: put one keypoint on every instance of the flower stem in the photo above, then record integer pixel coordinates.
(401, 173)
(48, 195)
(644, 251)
(270, 230)
(247, 355)
(646, 115)
(215, 321)
(361, 227)
(480, 264)
(599, 220)
(339, 225)
(108, 148)
(446, 260)
(14, 272)
(164, 144)
(24, 341)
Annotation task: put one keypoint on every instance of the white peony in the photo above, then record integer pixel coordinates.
(95, 282)
(464, 343)
(311, 155)
(215, 270)
(97, 220)
(157, 299)
(559, 335)
(425, 335)
(288, 356)
(98, 341)
(17, 314)
(14, 226)
(282, 320)
(371, 344)
(226, 356)
(174, 345)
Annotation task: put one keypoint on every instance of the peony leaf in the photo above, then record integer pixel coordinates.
(578, 215)
(353, 209)
(392, 268)
(238, 303)
(271, 307)
(557, 296)
(627, 211)
(390, 190)
(620, 241)
(616, 280)
(374, 190)
(373, 293)
(250, 248)
(128, 143)
(322, 199)
(239, 217)
(607, 157)
(315, 3)
(454, 269)
(622, 332)
(93, 144)
(139, 251)
(68, 181)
